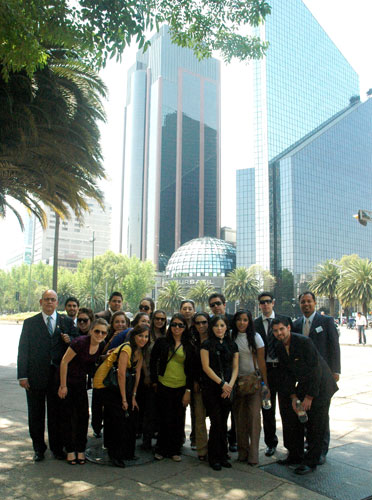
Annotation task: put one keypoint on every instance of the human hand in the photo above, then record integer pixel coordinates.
(306, 403)
(62, 392)
(134, 403)
(186, 398)
(124, 404)
(65, 338)
(24, 383)
(227, 388)
(336, 376)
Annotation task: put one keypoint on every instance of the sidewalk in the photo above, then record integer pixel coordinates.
(347, 475)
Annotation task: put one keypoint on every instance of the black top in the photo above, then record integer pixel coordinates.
(220, 358)
(83, 363)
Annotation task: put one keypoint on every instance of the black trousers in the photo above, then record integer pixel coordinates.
(294, 431)
(218, 411)
(119, 427)
(171, 415)
(268, 416)
(97, 410)
(36, 399)
(75, 418)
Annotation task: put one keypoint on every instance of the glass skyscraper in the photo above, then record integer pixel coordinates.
(172, 150)
(302, 82)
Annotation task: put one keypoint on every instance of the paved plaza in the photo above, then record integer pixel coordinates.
(347, 474)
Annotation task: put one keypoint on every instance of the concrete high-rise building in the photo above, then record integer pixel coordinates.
(171, 151)
(75, 238)
(302, 82)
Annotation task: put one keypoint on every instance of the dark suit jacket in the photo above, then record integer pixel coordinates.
(304, 372)
(104, 315)
(38, 349)
(259, 327)
(323, 333)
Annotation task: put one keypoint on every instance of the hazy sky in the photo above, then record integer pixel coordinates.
(347, 23)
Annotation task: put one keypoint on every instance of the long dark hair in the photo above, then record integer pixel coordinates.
(132, 341)
(137, 317)
(185, 338)
(250, 331)
(111, 330)
(212, 338)
(163, 329)
(193, 331)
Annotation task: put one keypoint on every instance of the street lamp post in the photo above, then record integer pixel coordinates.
(92, 291)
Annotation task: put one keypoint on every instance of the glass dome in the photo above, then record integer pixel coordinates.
(202, 257)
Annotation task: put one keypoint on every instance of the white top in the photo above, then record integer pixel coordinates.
(360, 321)
(246, 365)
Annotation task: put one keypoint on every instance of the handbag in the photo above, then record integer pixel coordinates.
(249, 384)
(111, 379)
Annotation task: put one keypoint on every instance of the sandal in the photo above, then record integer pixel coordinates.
(81, 460)
(71, 461)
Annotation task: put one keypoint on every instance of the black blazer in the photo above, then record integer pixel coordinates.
(323, 333)
(159, 359)
(304, 372)
(37, 349)
(259, 327)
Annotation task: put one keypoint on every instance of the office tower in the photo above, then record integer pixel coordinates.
(171, 151)
(75, 238)
(303, 81)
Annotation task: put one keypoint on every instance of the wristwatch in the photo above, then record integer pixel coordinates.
(222, 383)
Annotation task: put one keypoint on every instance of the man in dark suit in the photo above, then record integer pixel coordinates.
(262, 326)
(115, 304)
(43, 342)
(305, 377)
(321, 329)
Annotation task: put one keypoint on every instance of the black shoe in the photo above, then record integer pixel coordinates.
(59, 455)
(39, 456)
(216, 466)
(269, 452)
(117, 462)
(289, 461)
(301, 470)
(233, 448)
(226, 464)
(322, 460)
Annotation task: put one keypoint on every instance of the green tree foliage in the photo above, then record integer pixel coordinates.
(285, 300)
(355, 285)
(49, 137)
(170, 297)
(200, 292)
(135, 279)
(242, 285)
(325, 282)
(101, 29)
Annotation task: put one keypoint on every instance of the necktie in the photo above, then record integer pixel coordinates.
(270, 340)
(306, 330)
(49, 325)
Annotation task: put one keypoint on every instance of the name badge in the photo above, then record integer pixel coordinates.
(318, 329)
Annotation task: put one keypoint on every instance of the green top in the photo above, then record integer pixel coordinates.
(174, 375)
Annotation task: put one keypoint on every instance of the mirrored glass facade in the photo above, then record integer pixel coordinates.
(172, 150)
(303, 81)
(202, 257)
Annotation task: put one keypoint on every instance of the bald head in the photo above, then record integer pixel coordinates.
(49, 302)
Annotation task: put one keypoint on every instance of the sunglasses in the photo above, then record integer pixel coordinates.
(214, 304)
(156, 318)
(99, 332)
(266, 301)
(144, 308)
(178, 325)
(82, 320)
(205, 322)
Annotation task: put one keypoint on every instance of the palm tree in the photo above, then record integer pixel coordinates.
(355, 286)
(325, 282)
(170, 297)
(49, 137)
(241, 285)
(200, 293)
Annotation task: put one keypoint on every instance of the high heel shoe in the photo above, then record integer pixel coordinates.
(71, 461)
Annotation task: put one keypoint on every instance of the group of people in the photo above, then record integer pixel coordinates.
(146, 372)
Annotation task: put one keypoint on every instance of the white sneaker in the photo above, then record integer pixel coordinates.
(158, 456)
(176, 458)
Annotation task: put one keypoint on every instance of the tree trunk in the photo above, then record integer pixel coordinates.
(332, 306)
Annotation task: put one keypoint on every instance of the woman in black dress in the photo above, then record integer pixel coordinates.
(220, 362)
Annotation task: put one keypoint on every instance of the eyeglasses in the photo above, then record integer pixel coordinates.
(50, 299)
(205, 322)
(156, 318)
(178, 325)
(266, 301)
(82, 320)
(99, 332)
(214, 304)
(144, 308)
